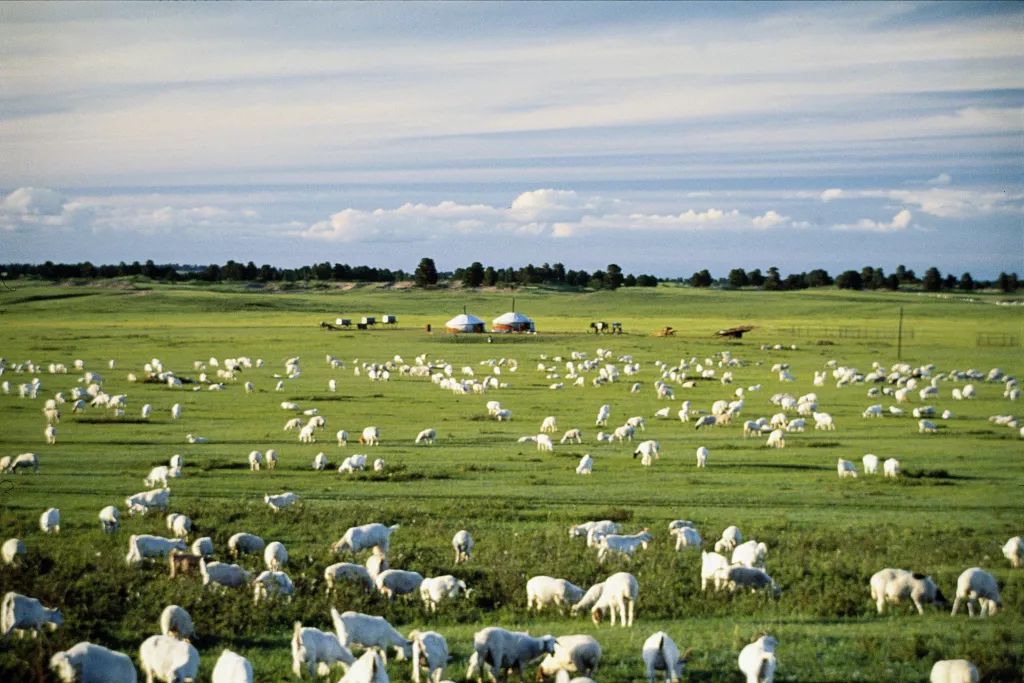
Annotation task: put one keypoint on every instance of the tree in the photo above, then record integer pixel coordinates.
(818, 278)
(774, 280)
(474, 275)
(630, 281)
(701, 278)
(849, 279)
(932, 280)
(426, 273)
(1007, 282)
(738, 278)
(614, 279)
(490, 276)
(755, 278)
(967, 282)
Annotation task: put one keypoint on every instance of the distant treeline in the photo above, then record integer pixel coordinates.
(478, 275)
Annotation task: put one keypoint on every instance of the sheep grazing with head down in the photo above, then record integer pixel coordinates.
(757, 660)
(1013, 550)
(660, 653)
(953, 671)
(232, 668)
(503, 650)
(316, 651)
(430, 650)
(980, 591)
(12, 551)
(462, 543)
(21, 613)
(86, 662)
(579, 654)
(175, 621)
(618, 595)
(168, 659)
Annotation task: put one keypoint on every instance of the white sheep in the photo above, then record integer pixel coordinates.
(369, 668)
(49, 521)
(572, 436)
(437, 589)
(648, 449)
(711, 566)
(275, 555)
(503, 650)
(660, 653)
(686, 537)
(320, 462)
(702, 456)
(427, 436)
(22, 461)
(429, 649)
(370, 632)
(316, 651)
(392, 582)
(176, 463)
(953, 671)
(1013, 550)
(378, 464)
(573, 654)
(353, 463)
(12, 551)
(926, 427)
(280, 501)
(21, 613)
(86, 662)
(603, 413)
(202, 546)
(180, 525)
(223, 574)
(363, 537)
(168, 659)
(50, 432)
(624, 544)
(245, 544)
(544, 443)
(307, 434)
(270, 458)
(175, 621)
(370, 436)
(750, 554)
(160, 474)
(548, 425)
(542, 591)
(110, 519)
(977, 588)
(731, 537)
(255, 461)
(142, 546)
(232, 668)
(347, 571)
(870, 462)
(269, 583)
(891, 468)
(757, 660)
(824, 421)
(376, 562)
(462, 543)
(586, 465)
(604, 526)
(918, 588)
(618, 595)
(342, 437)
(777, 439)
(736, 577)
(846, 469)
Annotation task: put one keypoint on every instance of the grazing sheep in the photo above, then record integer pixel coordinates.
(436, 589)
(548, 426)
(12, 551)
(572, 436)
(316, 651)
(141, 546)
(427, 436)
(503, 650)
(824, 421)
(347, 571)
(702, 456)
(370, 437)
(736, 577)
(86, 662)
(175, 621)
(777, 439)
(429, 649)
(320, 462)
(926, 427)
(49, 521)
(203, 546)
(603, 414)
(223, 574)
(255, 461)
(245, 544)
(168, 659)
(280, 501)
(757, 660)
(604, 526)
(686, 537)
(618, 595)
(544, 443)
(378, 464)
(622, 544)
(392, 582)
(647, 449)
(586, 465)
(275, 556)
(270, 457)
(232, 668)
(978, 588)
(353, 463)
(51, 434)
(183, 563)
(159, 475)
(376, 562)
(147, 500)
(342, 436)
(1013, 550)
(542, 591)
(20, 462)
(750, 554)
(660, 653)
(462, 543)
(269, 583)
(110, 519)
(573, 654)
(870, 462)
(370, 632)
(178, 524)
(846, 469)
(891, 468)
(363, 537)
(953, 671)
(918, 588)
(21, 613)
(369, 668)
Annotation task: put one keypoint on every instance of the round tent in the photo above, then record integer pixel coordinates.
(513, 321)
(464, 322)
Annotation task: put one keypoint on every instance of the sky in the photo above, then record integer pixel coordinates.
(663, 137)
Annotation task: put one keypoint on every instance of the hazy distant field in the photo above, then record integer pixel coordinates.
(960, 500)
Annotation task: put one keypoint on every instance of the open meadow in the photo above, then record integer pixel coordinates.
(960, 495)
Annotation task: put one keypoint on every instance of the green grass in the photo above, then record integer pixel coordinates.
(959, 500)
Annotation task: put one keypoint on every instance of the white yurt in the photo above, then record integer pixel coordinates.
(513, 321)
(464, 322)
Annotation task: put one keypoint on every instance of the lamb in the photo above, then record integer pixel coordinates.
(392, 582)
(503, 415)
(369, 631)
(21, 613)
(370, 437)
(86, 662)
(49, 521)
(191, 438)
(824, 421)
(203, 546)
(920, 589)
(797, 425)
(316, 651)
(891, 468)
(348, 571)
(702, 456)
(686, 537)
(160, 475)
(245, 544)
(878, 583)
(846, 469)
(870, 462)
(369, 668)
(183, 563)
(503, 650)
(429, 649)
(436, 589)
(953, 671)
(269, 583)
(232, 668)
(660, 653)
(1013, 550)
(427, 436)
(603, 413)
(637, 422)
(168, 659)
(143, 502)
(586, 465)
(462, 543)
(648, 449)
(275, 555)
(548, 425)
(757, 660)
(624, 544)
(619, 594)
(366, 536)
(12, 551)
(750, 554)
(342, 437)
(544, 443)
(280, 501)
(20, 462)
(270, 458)
(176, 462)
(573, 654)
(378, 464)
(353, 463)
(307, 434)
(777, 439)
(736, 577)
(223, 574)
(175, 621)
(320, 462)
(50, 432)
(542, 591)
(977, 587)
(293, 424)
(141, 546)
(572, 436)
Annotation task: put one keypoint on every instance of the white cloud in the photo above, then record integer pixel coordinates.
(769, 220)
(901, 221)
(830, 194)
(36, 201)
(941, 179)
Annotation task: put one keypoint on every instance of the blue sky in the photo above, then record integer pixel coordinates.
(665, 137)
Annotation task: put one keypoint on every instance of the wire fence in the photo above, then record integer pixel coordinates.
(998, 340)
(847, 332)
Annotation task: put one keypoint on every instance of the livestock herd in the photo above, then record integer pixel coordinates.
(733, 565)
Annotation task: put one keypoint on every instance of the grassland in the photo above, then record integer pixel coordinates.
(961, 500)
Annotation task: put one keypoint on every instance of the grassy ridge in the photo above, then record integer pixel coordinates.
(961, 501)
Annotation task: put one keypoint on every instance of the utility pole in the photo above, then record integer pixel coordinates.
(899, 337)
